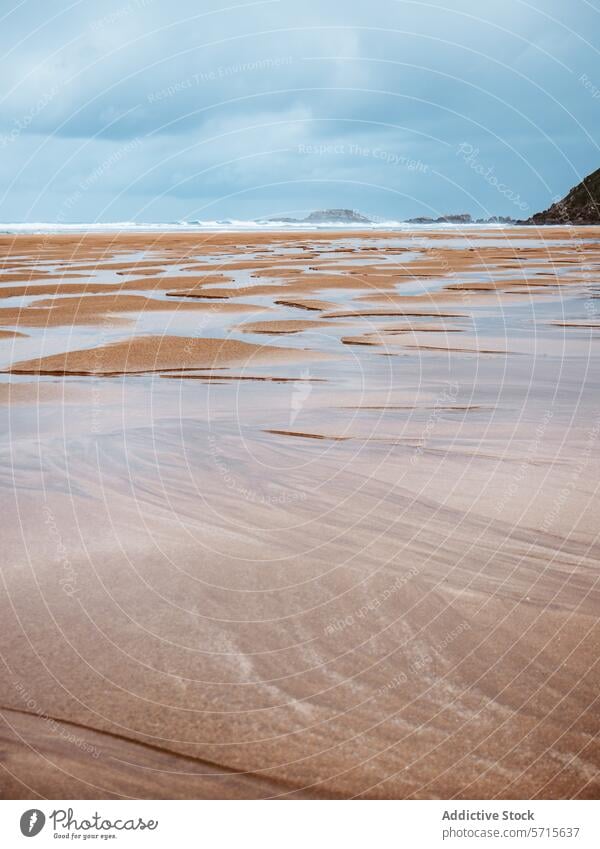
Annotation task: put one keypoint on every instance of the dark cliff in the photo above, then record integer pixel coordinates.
(580, 206)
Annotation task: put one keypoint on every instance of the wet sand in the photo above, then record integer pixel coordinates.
(145, 354)
(300, 515)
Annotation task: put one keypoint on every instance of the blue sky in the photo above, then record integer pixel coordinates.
(151, 110)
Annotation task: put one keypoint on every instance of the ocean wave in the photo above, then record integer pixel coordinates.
(224, 225)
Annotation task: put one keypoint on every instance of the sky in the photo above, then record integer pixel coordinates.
(168, 110)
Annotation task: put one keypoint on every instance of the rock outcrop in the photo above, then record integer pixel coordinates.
(459, 218)
(580, 206)
(328, 216)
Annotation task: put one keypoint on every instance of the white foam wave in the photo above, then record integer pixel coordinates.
(226, 225)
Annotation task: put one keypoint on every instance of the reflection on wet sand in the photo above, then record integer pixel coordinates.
(255, 551)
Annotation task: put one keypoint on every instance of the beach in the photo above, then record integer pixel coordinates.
(300, 514)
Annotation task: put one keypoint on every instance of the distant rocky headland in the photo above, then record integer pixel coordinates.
(580, 206)
(462, 218)
(351, 216)
(328, 216)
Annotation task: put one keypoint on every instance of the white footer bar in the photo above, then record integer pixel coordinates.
(301, 824)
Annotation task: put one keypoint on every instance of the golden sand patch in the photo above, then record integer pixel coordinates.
(11, 334)
(277, 327)
(306, 304)
(158, 353)
(82, 310)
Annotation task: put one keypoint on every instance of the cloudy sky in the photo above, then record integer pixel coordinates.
(162, 110)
